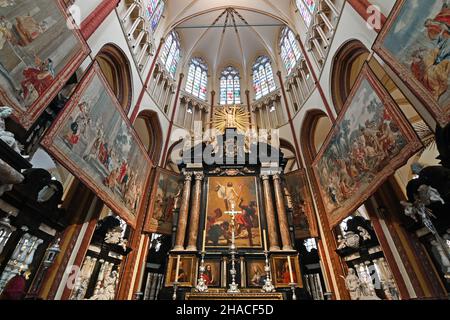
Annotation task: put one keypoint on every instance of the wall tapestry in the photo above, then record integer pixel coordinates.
(94, 140)
(39, 51)
(370, 140)
(414, 42)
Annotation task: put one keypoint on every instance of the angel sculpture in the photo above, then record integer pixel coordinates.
(425, 196)
(429, 195)
(409, 210)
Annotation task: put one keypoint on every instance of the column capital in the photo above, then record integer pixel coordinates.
(188, 176)
(199, 176)
(265, 177)
(277, 176)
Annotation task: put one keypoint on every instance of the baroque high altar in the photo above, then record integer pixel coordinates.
(233, 233)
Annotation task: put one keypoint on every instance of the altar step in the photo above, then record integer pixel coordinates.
(222, 295)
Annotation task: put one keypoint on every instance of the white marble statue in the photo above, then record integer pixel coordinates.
(429, 195)
(114, 236)
(6, 136)
(410, 210)
(342, 243)
(353, 284)
(108, 289)
(8, 177)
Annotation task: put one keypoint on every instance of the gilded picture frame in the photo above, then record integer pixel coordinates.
(243, 192)
(255, 273)
(213, 273)
(160, 216)
(304, 219)
(187, 270)
(281, 275)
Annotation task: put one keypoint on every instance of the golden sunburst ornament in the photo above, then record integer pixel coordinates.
(231, 117)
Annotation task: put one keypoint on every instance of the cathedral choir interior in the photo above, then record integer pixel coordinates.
(199, 150)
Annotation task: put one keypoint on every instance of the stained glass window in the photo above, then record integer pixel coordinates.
(263, 81)
(155, 9)
(230, 87)
(306, 9)
(171, 53)
(290, 51)
(151, 7)
(197, 79)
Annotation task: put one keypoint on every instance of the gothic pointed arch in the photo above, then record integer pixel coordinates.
(315, 129)
(149, 130)
(116, 69)
(175, 154)
(290, 155)
(347, 64)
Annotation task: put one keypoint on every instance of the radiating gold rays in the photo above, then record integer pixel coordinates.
(231, 117)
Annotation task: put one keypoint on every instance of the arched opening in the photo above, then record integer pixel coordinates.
(347, 65)
(175, 156)
(290, 155)
(315, 130)
(116, 69)
(149, 130)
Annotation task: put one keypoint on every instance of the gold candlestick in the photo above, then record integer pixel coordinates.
(265, 240)
(204, 241)
(177, 271)
(290, 269)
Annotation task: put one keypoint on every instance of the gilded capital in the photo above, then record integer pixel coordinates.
(199, 176)
(188, 176)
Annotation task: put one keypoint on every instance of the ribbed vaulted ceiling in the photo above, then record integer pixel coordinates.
(228, 32)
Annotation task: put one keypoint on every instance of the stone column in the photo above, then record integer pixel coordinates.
(195, 213)
(270, 215)
(184, 210)
(281, 211)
